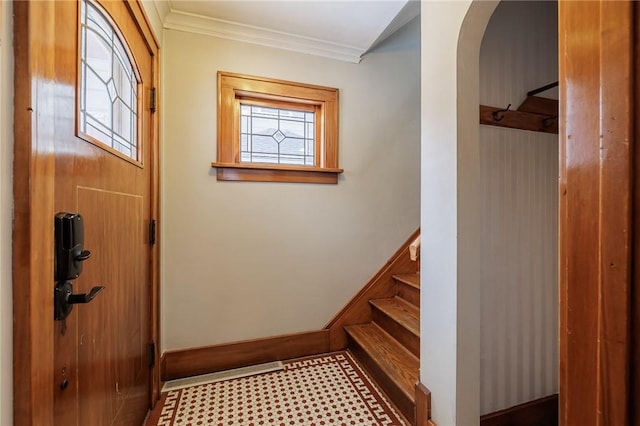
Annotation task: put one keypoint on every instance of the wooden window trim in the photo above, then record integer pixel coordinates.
(234, 88)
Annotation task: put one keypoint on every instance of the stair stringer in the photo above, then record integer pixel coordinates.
(380, 286)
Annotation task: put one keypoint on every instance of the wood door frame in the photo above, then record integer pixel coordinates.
(597, 194)
(34, 166)
(634, 397)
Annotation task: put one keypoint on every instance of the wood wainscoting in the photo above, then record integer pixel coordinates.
(543, 411)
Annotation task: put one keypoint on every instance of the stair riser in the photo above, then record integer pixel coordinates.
(409, 293)
(401, 334)
(399, 399)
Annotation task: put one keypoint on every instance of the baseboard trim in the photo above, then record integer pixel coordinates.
(423, 405)
(210, 359)
(543, 411)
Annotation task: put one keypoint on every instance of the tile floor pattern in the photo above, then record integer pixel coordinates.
(328, 389)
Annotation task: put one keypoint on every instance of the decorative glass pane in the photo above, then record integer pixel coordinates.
(276, 135)
(292, 146)
(108, 85)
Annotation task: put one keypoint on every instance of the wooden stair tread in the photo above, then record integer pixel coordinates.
(410, 279)
(404, 313)
(397, 363)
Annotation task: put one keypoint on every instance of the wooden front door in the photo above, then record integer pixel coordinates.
(85, 144)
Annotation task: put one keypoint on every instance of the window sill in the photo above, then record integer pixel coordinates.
(275, 173)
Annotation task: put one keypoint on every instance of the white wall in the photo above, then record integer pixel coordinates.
(519, 267)
(519, 52)
(450, 263)
(519, 178)
(6, 212)
(246, 260)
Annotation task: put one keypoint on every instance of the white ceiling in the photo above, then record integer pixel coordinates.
(341, 29)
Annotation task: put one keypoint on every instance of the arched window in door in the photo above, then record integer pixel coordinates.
(108, 87)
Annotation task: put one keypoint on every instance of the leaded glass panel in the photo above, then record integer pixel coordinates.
(276, 135)
(108, 85)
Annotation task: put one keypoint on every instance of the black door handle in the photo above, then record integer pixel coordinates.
(86, 297)
(64, 298)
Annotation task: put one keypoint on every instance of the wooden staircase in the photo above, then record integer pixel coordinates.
(389, 345)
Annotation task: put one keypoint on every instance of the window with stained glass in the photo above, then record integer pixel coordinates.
(108, 89)
(276, 131)
(277, 135)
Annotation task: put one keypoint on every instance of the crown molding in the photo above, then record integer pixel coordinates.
(182, 21)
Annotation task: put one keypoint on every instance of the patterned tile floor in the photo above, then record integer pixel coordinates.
(328, 389)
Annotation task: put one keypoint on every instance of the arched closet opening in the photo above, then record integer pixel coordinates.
(518, 153)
